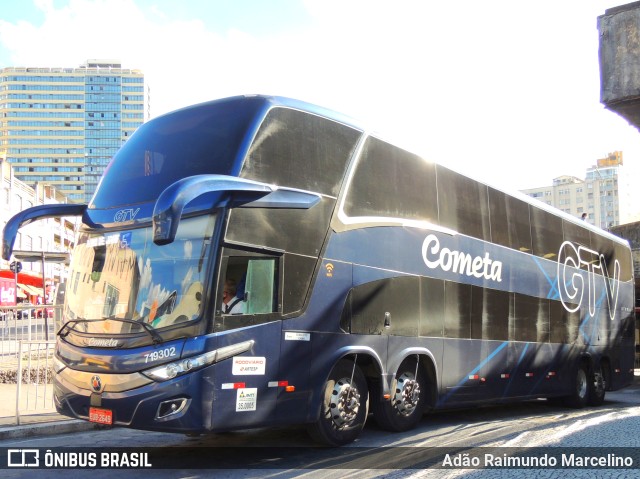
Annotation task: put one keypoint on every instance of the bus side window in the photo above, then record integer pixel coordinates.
(260, 288)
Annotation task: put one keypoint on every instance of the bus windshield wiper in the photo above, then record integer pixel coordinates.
(157, 339)
(66, 329)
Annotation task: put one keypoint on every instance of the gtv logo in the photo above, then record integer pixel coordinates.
(571, 281)
(128, 214)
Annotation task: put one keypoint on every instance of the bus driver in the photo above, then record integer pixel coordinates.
(231, 304)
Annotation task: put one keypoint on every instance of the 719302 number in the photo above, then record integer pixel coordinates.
(160, 354)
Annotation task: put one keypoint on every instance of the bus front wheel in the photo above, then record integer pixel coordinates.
(407, 403)
(344, 406)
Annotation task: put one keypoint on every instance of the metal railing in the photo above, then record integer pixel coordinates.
(25, 323)
(27, 343)
(34, 391)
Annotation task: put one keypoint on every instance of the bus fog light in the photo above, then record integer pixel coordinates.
(172, 407)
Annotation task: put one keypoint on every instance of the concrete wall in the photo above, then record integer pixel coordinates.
(619, 54)
(631, 232)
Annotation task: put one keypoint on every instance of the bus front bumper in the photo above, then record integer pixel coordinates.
(133, 400)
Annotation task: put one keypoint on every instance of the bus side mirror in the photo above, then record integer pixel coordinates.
(171, 202)
(32, 214)
(168, 209)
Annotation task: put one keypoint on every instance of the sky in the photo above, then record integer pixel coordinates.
(505, 91)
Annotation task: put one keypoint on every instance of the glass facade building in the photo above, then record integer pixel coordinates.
(62, 126)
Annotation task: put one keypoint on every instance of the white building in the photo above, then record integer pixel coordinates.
(602, 196)
(51, 235)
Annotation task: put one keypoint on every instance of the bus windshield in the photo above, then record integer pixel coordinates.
(191, 141)
(123, 275)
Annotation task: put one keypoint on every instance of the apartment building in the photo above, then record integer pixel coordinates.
(52, 236)
(600, 195)
(62, 126)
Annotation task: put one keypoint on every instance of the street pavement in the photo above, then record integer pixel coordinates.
(46, 421)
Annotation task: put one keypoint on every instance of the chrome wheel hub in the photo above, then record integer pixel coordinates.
(407, 394)
(344, 403)
(582, 383)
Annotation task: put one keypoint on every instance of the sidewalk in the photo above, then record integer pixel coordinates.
(40, 422)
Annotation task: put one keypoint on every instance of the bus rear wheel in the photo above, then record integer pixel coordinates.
(580, 388)
(344, 406)
(408, 397)
(597, 386)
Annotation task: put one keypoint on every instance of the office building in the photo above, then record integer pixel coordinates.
(61, 126)
(601, 195)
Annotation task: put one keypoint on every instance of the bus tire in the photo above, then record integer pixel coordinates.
(580, 388)
(409, 393)
(344, 406)
(597, 386)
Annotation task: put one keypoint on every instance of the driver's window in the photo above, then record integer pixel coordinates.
(260, 286)
(250, 286)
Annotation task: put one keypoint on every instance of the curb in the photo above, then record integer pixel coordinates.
(45, 429)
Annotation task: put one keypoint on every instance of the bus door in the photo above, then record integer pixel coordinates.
(374, 309)
(407, 312)
(244, 383)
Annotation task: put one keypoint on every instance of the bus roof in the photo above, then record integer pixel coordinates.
(271, 101)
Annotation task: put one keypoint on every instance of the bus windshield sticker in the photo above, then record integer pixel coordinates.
(248, 366)
(125, 239)
(112, 239)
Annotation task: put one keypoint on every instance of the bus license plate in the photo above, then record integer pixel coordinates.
(100, 416)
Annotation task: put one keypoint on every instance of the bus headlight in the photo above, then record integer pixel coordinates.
(177, 368)
(57, 364)
(183, 366)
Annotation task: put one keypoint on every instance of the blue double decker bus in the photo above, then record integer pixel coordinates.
(364, 279)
